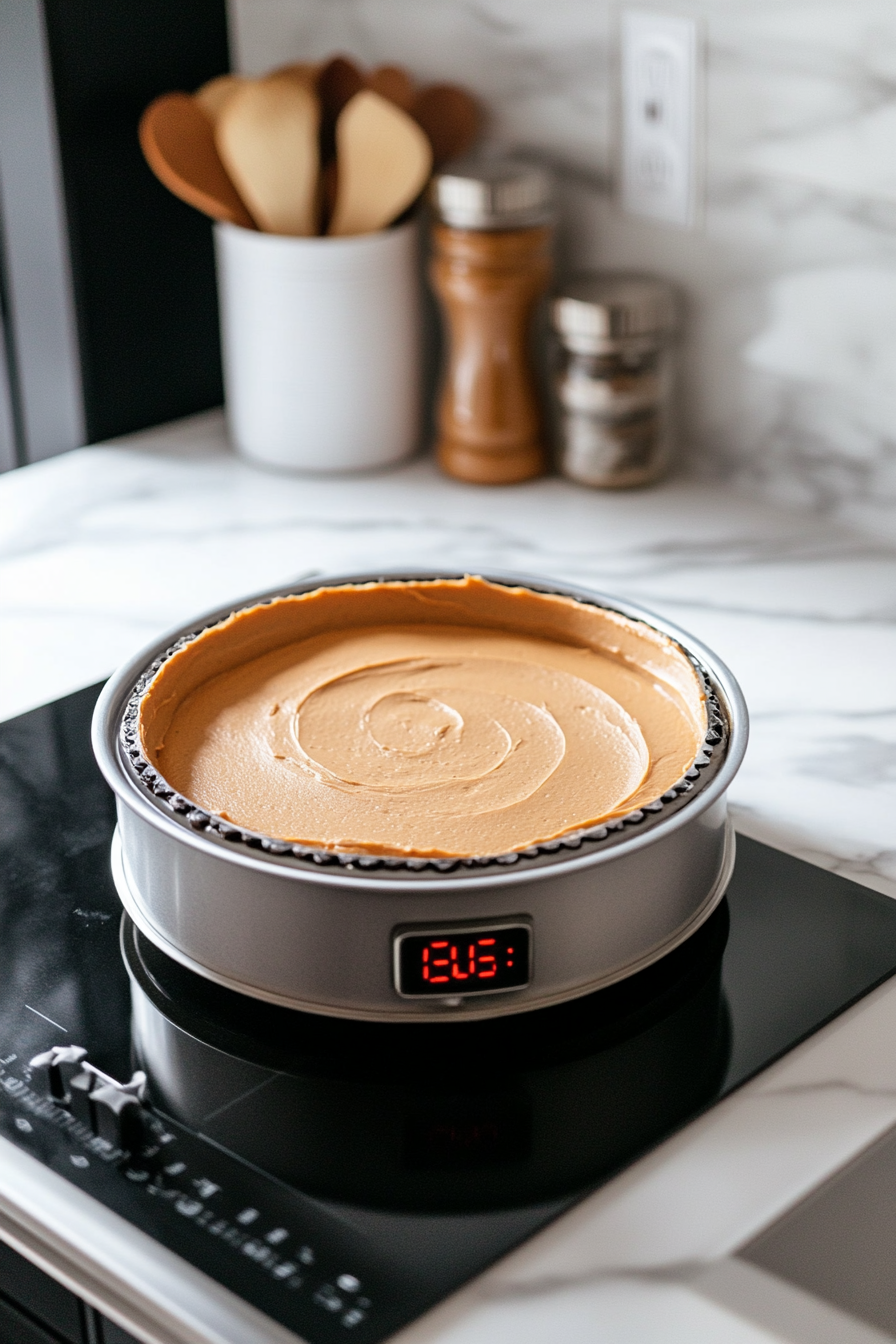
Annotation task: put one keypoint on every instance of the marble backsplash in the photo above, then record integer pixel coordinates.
(789, 364)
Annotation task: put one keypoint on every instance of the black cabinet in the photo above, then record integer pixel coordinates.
(35, 1309)
(108, 301)
(25, 1286)
(113, 1334)
(17, 1328)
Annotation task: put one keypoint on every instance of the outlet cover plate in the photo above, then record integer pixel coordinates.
(659, 60)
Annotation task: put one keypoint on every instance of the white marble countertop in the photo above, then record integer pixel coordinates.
(103, 549)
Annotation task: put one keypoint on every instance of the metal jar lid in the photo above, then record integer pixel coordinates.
(595, 312)
(493, 194)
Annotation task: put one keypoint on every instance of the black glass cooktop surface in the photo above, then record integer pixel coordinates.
(345, 1177)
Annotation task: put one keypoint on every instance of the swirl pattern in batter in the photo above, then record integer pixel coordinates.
(433, 719)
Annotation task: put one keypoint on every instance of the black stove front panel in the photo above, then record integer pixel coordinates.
(345, 1177)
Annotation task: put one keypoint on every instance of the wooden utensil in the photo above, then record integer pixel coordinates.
(337, 82)
(306, 72)
(329, 185)
(212, 95)
(451, 118)
(178, 144)
(267, 136)
(384, 161)
(393, 82)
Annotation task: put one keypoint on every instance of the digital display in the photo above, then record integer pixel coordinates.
(450, 962)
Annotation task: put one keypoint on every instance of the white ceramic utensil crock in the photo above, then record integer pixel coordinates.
(321, 347)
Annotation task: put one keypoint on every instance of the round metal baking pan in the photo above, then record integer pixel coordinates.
(318, 932)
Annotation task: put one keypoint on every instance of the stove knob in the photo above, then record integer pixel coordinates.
(58, 1067)
(79, 1090)
(109, 1109)
(116, 1113)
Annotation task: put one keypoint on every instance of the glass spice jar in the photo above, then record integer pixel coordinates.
(615, 385)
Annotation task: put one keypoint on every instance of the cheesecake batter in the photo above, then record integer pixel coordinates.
(431, 719)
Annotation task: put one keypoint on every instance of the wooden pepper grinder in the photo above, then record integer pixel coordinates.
(491, 266)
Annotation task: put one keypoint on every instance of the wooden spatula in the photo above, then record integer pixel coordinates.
(267, 136)
(451, 118)
(384, 160)
(337, 81)
(178, 143)
(306, 72)
(212, 95)
(393, 82)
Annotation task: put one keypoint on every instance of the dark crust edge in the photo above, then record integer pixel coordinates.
(189, 814)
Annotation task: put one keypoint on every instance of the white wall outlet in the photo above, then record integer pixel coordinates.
(659, 74)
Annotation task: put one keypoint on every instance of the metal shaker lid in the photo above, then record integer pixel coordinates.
(493, 194)
(594, 311)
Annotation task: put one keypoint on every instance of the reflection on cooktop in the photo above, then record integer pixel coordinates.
(440, 1117)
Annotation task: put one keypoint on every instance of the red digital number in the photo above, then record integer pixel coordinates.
(443, 961)
(456, 972)
(431, 965)
(486, 965)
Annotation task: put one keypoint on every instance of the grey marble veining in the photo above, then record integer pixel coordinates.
(790, 351)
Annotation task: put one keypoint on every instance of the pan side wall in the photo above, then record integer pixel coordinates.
(327, 947)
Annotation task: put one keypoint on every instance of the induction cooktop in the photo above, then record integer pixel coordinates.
(343, 1178)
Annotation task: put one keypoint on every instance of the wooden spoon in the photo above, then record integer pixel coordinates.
(267, 138)
(212, 96)
(451, 118)
(339, 80)
(306, 72)
(178, 144)
(393, 82)
(384, 160)
(329, 187)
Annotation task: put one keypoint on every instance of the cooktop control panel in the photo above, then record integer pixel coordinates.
(264, 1240)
